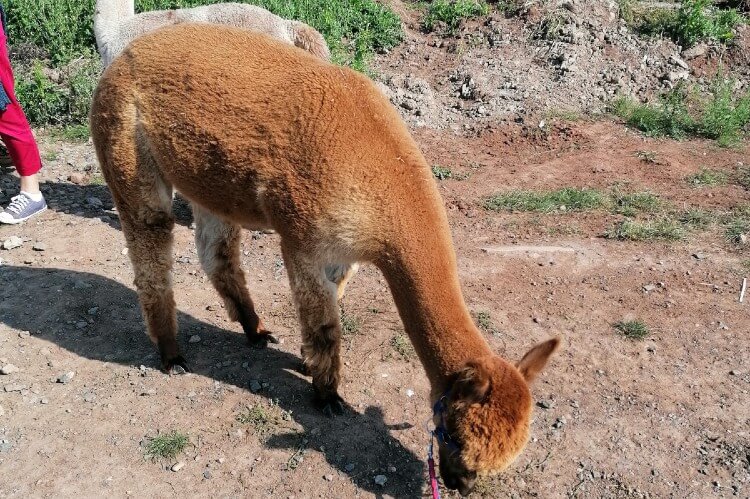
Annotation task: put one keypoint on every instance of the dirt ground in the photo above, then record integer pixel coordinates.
(664, 417)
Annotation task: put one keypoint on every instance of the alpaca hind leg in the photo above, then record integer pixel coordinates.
(147, 222)
(315, 297)
(218, 245)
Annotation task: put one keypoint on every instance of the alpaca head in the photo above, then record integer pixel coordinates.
(483, 419)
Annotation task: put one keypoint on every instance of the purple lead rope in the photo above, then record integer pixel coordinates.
(431, 466)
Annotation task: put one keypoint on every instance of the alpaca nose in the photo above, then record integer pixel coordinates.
(465, 486)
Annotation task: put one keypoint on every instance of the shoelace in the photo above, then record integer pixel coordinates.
(18, 203)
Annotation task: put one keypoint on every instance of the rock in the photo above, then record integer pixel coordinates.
(82, 325)
(44, 401)
(410, 393)
(89, 396)
(392, 469)
(380, 480)
(545, 404)
(328, 478)
(695, 51)
(255, 386)
(93, 311)
(349, 467)
(675, 76)
(559, 423)
(743, 239)
(12, 242)
(94, 202)
(8, 369)
(207, 474)
(733, 373)
(194, 339)
(649, 287)
(14, 387)
(699, 256)
(177, 466)
(678, 62)
(77, 178)
(39, 247)
(124, 251)
(2, 411)
(66, 378)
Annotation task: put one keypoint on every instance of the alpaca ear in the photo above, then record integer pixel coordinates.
(472, 383)
(536, 358)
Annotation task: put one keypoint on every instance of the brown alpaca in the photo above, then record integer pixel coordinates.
(314, 151)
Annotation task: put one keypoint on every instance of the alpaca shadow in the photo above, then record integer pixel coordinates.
(99, 319)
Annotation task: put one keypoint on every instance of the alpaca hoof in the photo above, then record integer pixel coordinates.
(176, 366)
(333, 406)
(260, 341)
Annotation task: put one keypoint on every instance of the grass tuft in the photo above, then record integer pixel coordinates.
(573, 199)
(441, 172)
(263, 419)
(657, 230)
(695, 218)
(632, 203)
(350, 325)
(167, 446)
(635, 330)
(707, 178)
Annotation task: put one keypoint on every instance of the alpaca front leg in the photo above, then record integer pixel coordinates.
(218, 245)
(315, 297)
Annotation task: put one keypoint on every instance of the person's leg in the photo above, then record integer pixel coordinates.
(24, 152)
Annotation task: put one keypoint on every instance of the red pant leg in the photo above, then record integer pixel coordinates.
(14, 128)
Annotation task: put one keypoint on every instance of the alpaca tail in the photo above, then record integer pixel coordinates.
(307, 38)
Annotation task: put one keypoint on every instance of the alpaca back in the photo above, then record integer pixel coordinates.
(113, 36)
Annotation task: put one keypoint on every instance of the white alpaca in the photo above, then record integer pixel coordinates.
(116, 25)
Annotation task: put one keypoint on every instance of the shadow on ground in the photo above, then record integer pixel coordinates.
(117, 336)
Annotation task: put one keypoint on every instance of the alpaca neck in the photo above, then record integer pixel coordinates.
(422, 275)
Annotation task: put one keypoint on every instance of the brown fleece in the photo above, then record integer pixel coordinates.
(314, 151)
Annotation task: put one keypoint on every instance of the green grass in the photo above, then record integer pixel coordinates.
(634, 330)
(441, 172)
(167, 446)
(719, 115)
(707, 178)
(451, 13)
(692, 22)
(741, 177)
(51, 156)
(632, 203)
(573, 199)
(401, 344)
(655, 230)
(73, 132)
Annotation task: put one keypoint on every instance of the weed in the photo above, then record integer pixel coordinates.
(350, 325)
(452, 12)
(484, 321)
(403, 346)
(573, 199)
(563, 114)
(263, 419)
(441, 172)
(50, 156)
(73, 132)
(635, 330)
(707, 178)
(631, 230)
(167, 446)
(97, 179)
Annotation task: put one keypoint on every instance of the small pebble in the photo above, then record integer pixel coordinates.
(328, 478)
(544, 404)
(194, 339)
(39, 247)
(14, 387)
(255, 386)
(8, 369)
(207, 474)
(349, 467)
(24, 334)
(66, 378)
(380, 480)
(12, 242)
(178, 466)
